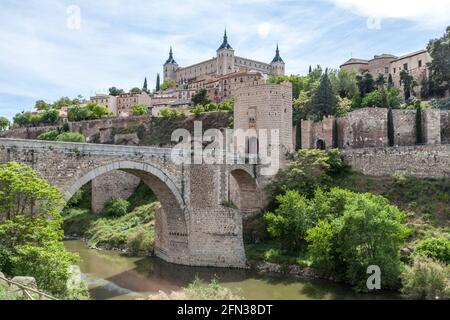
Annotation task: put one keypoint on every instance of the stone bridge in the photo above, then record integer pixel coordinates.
(195, 226)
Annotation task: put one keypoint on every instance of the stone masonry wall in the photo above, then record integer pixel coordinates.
(112, 184)
(405, 127)
(364, 128)
(445, 126)
(418, 161)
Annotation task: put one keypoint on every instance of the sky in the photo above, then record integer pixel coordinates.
(55, 48)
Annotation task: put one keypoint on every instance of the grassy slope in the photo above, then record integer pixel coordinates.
(134, 232)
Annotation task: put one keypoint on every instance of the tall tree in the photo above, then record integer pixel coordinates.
(366, 84)
(145, 87)
(390, 127)
(323, 102)
(390, 81)
(439, 67)
(408, 83)
(158, 83)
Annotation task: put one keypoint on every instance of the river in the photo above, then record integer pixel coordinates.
(112, 276)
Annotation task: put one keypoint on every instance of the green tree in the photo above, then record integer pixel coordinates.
(307, 171)
(290, 221)
(71, 137)
(97, 110)
(79, 113)
(323, 102)
(390, 127)
(373, 99)
(42, 105)
(344, 106)
(64, 102)
(135, 90)
(22, 191)
(368, 231)
(419, 133)
(140, 110)
(301, 108)
(366, 84)
(50, 116)
(345, 84)
(22, 118)
(145, 86)
(390, 82)
(30, 230)
(394, 99)
(115, 91)
(201, 97)
(408, 83)
(49, 136)
(381, 81)
(158, 83)
(439, 67)
(168, 84)
(4, 123)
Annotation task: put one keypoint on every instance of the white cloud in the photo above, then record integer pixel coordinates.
(430, 13)
(264, 29)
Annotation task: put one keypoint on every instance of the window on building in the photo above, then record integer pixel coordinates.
(420, 63)
(405, 67)
(386, 70)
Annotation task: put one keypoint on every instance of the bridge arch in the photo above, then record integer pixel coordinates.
(172, 221)
(245, 191)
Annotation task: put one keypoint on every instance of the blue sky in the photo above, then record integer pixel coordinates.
(44, 55)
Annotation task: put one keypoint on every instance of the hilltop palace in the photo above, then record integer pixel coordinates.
(221, 76)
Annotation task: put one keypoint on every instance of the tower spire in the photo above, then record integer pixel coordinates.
(277, 55)
(225, 44)
(171, 60)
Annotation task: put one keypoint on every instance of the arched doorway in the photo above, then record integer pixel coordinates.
(171, 230)
(321, 145)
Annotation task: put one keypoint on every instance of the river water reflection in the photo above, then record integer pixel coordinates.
(112, 276)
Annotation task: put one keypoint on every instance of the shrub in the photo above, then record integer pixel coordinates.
(4, 123)
(309, 170)
(141, 243)
(426, 279)
(291, 220)
(368, 231)
(49, 136)
(71, 137)
(140, 110)
(373, 99)
(435, 248)
(116, 207)
(198, 290)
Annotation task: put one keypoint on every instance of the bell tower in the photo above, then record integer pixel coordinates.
(225, 57)
(278, 65)
(170, 67)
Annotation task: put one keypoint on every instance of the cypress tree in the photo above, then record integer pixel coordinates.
(145, 87)
(419, 133)
(158, 83)
(324, 100)
(390, 127)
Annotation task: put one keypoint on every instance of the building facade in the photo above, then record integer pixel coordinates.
(225, 62)
(414, 63)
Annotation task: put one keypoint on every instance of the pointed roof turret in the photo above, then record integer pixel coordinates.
(171, 60)
(277, 56)
(225, 44)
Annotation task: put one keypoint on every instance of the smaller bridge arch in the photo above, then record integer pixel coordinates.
(245, 191)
